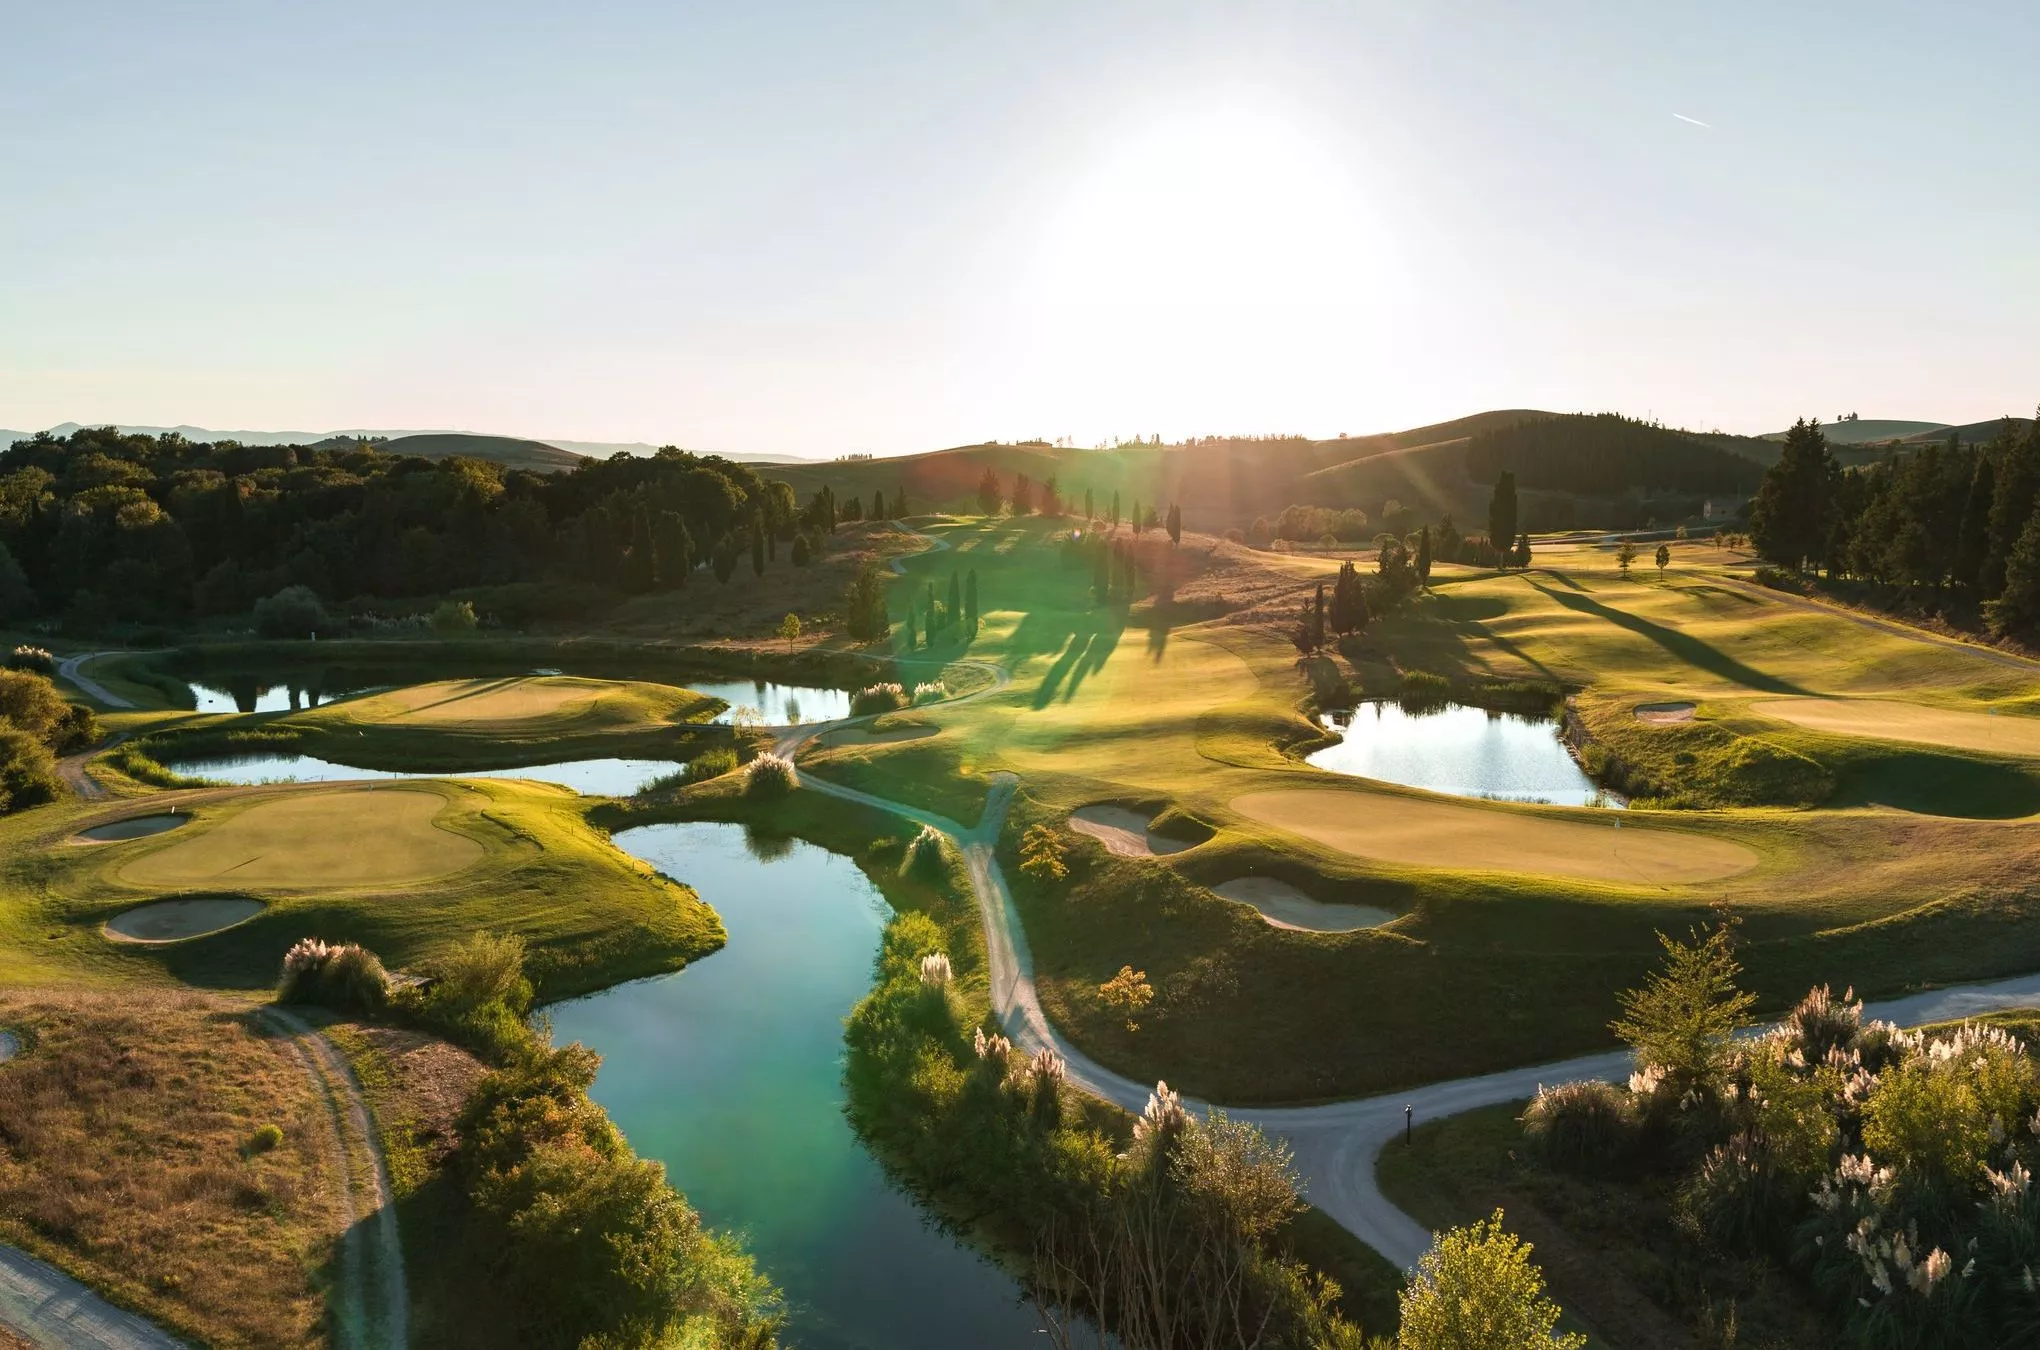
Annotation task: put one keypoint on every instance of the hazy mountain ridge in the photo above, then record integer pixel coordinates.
(578, 449)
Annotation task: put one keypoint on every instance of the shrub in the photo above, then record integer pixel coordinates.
(710, 764)
(266, 1139)
(878, 698)
(789, 627)
(32, 704)
(293, 612)
(1041, 854)
(341, 976)
(927, 855)
(33, 659)
(451, 617)
(478, 995)
(1738, 1200)
(1476, 1288)
(931, 691)
(1821, 1026)
(1582, 1127)
(28, 771)
(770, 776)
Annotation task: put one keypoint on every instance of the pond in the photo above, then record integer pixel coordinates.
(250, 696)
(592, 777)
(1460, 751)
(764, 703)
(730, 1073)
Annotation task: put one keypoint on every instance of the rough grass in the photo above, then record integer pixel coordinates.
(591, 914)
(127, 1121)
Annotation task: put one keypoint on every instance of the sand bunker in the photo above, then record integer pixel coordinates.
(1422, 833)
(134, 827)
(463, 702)
(1664, 714)
(1122, 831)
(1284, 906)
(382, 836)
(175, 920)
(1887, 720)
(890, 736)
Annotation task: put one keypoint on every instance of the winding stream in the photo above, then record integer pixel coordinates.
(730, 1073)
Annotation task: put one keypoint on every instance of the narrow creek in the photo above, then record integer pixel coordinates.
(730, 1073)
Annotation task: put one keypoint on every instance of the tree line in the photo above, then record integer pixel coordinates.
(105, 526)
(1946, 521)
(1606, 454)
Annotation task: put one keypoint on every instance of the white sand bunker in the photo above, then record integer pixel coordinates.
(1122, 831)
(1284, 906)
(866, 736)
(134, 827)
(175, 920)
(1663, 714)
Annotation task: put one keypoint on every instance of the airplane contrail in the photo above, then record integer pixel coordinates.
(1694, 120)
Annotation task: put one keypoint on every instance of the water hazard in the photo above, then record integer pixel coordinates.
(730, 1073)
(1460, 751)
(591, 777)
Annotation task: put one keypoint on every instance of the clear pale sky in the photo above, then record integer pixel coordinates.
(826, 227)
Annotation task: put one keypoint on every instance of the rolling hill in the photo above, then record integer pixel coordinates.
(536, 456)
(1868, 430)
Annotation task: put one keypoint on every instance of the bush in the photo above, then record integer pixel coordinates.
(1041, 854)
(341, 976)
(266, 1139)
(32, 704)
(1582, 1127)
(709, 764)
(478, 995)
(453, 617)
(770, 776)
(293, 612)
(1476, 1289)
(878, 698)
(34, 659)
(1739, 1201)
(28, 771)
(1821, 1026)
(927, 856)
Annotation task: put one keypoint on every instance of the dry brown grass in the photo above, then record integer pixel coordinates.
(124, 1133)
(416, 1085)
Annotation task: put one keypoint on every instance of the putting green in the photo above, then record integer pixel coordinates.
(468, 702)
(1886, 720)
(332, 839)
(1421, 833)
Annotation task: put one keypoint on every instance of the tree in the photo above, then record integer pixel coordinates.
(1522, 551)
(1051, 498)
(1090, 508)
(1476, 1289)
(675, 549)
(757, 545)
(1175, 524)
(1349, 601)
(1625, 555)
(864, 611)
(1501, 513)
(1128, 992)
(1664, 558)
(452, 617)
(989, 495)
(1309, 635)
(970, 602)
(1972, 541)
(640, 567)
(1684, 1019)
(16, 599)
(2017, 607)
(2016, 489)
(1424, 556)
(789, 628)
(1115, 506)
(907, 639)
(953, 613)
(1023, 496)
(293, 612)
(1792, 517)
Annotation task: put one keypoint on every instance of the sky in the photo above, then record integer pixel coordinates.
(819, 228)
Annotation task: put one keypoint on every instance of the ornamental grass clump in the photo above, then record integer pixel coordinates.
(1045, 1077)
(930, 691)
(927, 856)
(770, 776)
(1582, 1127)
(341, 976)
(935, 972)
(878, 698)
(1161, 1123)
(35, 659)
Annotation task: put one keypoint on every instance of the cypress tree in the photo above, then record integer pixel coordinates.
(1317, 619)
(934, 615)
(970, 601)
(1501, 514)
(1791, 518)
(1115, 506)
(1175, 523)
(675, 548)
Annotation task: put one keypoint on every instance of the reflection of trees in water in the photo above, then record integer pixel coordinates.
(766, 845)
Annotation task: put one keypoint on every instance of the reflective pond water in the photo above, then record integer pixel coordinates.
(730, 1073)
(763, 703)
(251, 697)
(593, 777)
(1461, 751)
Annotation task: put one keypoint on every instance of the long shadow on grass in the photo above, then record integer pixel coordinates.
(1688, 649)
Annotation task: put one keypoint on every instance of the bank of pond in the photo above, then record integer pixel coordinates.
(1459, 751)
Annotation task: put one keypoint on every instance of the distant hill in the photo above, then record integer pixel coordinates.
(1865, 430)
(1972, 432)
(526, 459)
(536, 456)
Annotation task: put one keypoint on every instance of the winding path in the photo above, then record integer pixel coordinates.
(1336, 1143)
(69, 668)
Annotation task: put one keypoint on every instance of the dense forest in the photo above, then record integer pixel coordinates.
(100, 526)
(1605, 455)
(1955, 521)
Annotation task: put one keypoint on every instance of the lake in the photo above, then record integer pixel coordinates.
(1461, 751)
(730, 1073)
(593, 777)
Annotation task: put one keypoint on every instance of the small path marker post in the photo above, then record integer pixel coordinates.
(1409, 1120)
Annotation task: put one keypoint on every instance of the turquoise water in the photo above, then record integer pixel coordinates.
(1461, 751)
(730, 1073)
(594, 777)
(763, 703)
